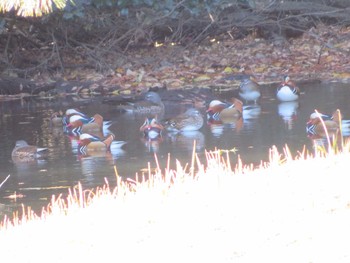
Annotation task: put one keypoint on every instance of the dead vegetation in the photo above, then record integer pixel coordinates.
(105, 41)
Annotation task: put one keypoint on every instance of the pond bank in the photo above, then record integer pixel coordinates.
(290, 210)
(317, 54)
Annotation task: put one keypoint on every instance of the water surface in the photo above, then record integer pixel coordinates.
(34, 183)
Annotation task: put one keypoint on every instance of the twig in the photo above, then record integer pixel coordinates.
(4, 180)
(56, 48)
(327, 44)
(320, 54)
(199, 35)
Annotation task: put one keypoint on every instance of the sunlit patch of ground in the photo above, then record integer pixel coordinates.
(288, 210)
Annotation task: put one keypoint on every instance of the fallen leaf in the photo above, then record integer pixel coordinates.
(202, 78)
(228, 70)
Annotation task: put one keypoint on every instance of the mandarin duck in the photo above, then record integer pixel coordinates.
(249, 89)
(151, 128)
(151, 104)
(222, 111)
(190, 120)
(23, 151)
(90, 143)
(72, 115)
(95, 124)
(334, 123)
(73, 112)
(319, 125)
(287, 90)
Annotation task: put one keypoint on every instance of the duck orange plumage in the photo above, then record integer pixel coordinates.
(90, 143)
(219, 110)
(321, 125)
(151, 128)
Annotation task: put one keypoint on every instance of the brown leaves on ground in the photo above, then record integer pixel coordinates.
(321, 53)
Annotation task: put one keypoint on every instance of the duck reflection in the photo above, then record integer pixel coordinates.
(185, 140)
(29, 166)
(91, 164)
(57, 132)
(251, 111)
(319, 144)
(74, 142)
(251, 114)
(288, 111)
(217, 128)
(152, 144)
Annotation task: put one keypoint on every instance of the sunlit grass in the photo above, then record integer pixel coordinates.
(290, 209)
(30, 8)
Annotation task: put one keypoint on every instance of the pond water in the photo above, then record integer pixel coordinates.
(34, 183)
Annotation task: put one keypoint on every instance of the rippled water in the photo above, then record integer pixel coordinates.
(35, 182)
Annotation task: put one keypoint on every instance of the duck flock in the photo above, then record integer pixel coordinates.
(94, 135)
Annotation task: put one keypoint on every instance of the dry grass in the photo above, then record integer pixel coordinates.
(288, 210)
